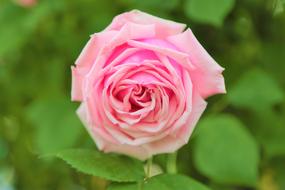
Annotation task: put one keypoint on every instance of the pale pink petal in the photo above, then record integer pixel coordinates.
(199, 105)
(86, 60)
(93, 47)
(174, 141)
(108, 52)
(188, 90)
(135, 151)
(163, 27)
(180, 57)
(76, 85)
(206, 76)
(130, 31)
(83, 115)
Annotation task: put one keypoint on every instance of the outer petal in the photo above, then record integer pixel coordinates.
(107, 146)
(83, 115)
(92, 48)
(138, 152)
(85, 61)
(76, 84)
(163, 27)
(207, 75)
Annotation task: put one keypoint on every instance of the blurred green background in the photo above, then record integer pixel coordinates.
(239, 143)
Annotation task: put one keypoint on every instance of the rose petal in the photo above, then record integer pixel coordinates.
(130, 31)
(138, 152)
(180, 57)
(83, 115)
(207, 76)
(163, 27)
(86, 60)
(173, 142)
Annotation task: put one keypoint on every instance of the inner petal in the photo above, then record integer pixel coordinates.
(140, 98)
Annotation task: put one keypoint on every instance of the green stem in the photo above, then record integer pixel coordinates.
(148, 168)
(148, 173)
(140, 185)
(171, 163)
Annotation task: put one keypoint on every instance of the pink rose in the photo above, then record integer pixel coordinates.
(142, 84)
(26, 3)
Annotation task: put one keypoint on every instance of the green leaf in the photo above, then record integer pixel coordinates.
(128, 186)
(57, 125)
(254, 90)
(209, 11)
(164, 182)
(226, 152)
(108, 166)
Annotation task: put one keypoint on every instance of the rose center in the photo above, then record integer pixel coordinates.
(140, 97)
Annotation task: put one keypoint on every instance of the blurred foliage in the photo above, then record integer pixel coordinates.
(232, 144)
(208, 11)
(239, 143)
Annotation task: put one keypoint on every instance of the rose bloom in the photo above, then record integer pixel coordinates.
(142, 83)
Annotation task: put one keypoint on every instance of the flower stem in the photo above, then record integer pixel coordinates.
(148, 168)
(148, 173)
(171, 163)
(140, 185)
